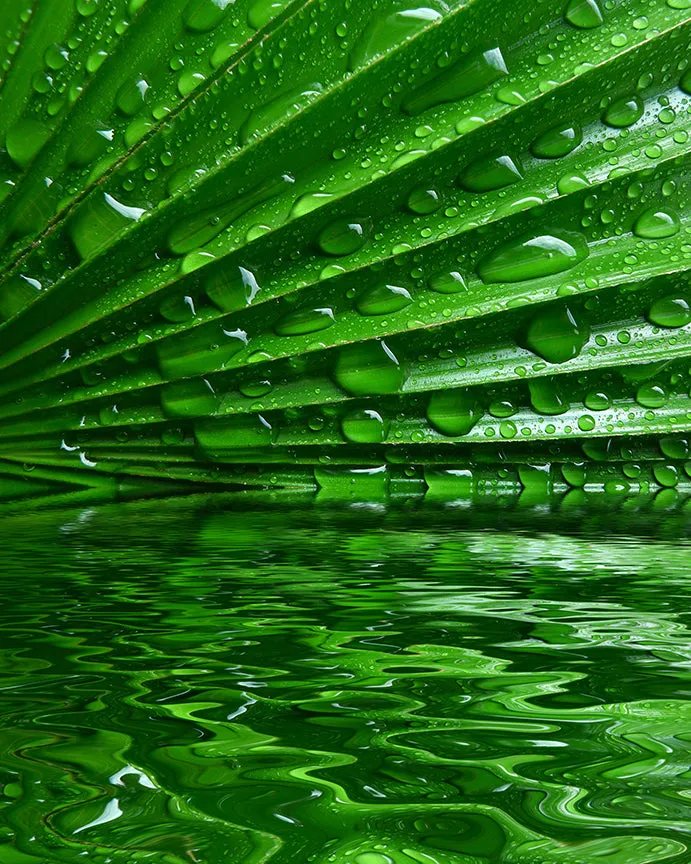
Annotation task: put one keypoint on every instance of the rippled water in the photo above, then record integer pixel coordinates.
(209, 682)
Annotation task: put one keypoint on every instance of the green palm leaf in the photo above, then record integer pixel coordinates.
(436, 249)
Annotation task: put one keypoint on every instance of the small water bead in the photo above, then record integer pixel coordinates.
(685, 83)
(654, 224)
(556, 335)
(557, 142)
(453, 412)
(651, 395)
(383, 300)
(342, 237)
(86, 8)
(533, 257)
(368, 369)
(470, 75)
(584, 14)
(623, 112)
(423, 201)
(364, 426)
(488, 174)
(383, 33)
(448, 283)
(574, 473)
(305, 321)
(670, 312)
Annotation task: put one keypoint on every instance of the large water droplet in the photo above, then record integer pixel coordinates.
(281, 108)
(364, 426)
(464, 78)
(199, 350)
(556, 335)
(557, 142)
(368, 369)
(534, 257)
(448, 283)
(232, 288)
(194, 398)
(24, 140)
(423, 200)
(304, 321)
(546, 396)
(453, 412)
(624, 112)
(342, 237)
(670, 312)
(381, 34)
(654, 224)
(98, 222)
(584, 14)
(200, 16)
(494, 172)
(383, 300)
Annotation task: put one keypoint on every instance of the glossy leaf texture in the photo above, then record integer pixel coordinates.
(408, 249)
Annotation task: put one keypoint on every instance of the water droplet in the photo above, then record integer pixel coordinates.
(131, 97)
(448, 283)
(464, 78)
(556, 335)
(199, 350)
(670, 312)
(383, 300)
(487, 174)
(666, 475)
(307, 203)
(557, 142)
(342, 237)
(281, 108)
(200, 16)
(423, 200)
(368, 369)
(533, 257)
(654, 224)
(99, 221)
(546, 396)
(382, 34)
(24, 139)
(651, 395)
(232, 288)
(623, 112)
(193, 398)
(364, 426)
(584, 14)
(262, 11)
(304, 321)
(453, 412)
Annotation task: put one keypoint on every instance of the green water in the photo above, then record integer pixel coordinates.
(216, 682)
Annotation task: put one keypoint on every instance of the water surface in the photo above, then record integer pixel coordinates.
(215, 682)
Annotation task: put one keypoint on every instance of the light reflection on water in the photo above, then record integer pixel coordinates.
(202, 681)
